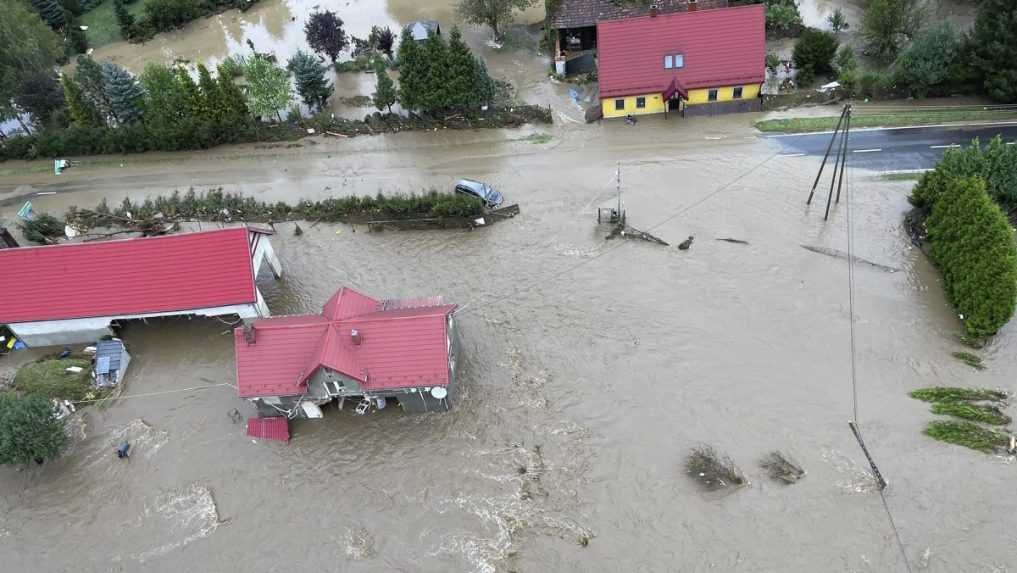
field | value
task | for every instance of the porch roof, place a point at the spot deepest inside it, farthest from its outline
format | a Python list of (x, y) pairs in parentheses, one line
[(584, 13)]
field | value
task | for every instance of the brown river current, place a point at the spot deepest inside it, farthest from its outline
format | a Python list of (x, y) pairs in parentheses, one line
[(590, 368)]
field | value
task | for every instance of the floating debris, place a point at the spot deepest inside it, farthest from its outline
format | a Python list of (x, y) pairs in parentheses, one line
[(735, 241), (781, 467), (626, 232), (968, 434), (984, 413), (297, 231), (843, 255), (712, 469), (684, 245)]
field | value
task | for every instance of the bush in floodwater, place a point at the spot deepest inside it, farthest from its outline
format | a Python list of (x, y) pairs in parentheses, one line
[(969, 359), (955, 394), (43, 228), (973, 245), (712, 469), (781, 467), (973, 412), (965, 433), (996, 163)]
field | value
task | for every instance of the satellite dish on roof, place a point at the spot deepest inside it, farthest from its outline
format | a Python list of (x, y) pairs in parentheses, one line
[(439, 392)]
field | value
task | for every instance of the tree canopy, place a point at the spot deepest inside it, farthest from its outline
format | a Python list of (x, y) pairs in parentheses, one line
[(268, 87), (994, 48), (926, 62), (123, 93), (27, 46), (29, 429), (815, 50), (384, 93), (497, 14), (312, 85), (889, 24), (325, 35)]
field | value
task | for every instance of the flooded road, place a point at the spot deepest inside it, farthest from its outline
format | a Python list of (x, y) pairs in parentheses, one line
[(590, 370)]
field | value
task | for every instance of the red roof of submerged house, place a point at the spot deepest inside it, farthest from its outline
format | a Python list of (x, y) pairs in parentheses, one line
[(402, 344), (128, 276), (721, 47)]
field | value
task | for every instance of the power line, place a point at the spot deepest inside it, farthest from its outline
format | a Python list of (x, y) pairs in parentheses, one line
[(568, 270), (150, 394)]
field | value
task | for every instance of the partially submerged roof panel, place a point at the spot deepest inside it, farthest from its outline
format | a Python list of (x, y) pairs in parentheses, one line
[(127, 277)]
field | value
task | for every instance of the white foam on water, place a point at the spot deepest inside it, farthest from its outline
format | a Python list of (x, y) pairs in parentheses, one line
[(857, 479), (186, 515), (359, 543)]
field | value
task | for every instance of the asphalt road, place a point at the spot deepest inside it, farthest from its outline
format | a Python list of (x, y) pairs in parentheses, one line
[(895, 149)]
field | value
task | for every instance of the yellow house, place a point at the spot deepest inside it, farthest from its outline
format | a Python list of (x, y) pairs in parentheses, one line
[(698, 62)]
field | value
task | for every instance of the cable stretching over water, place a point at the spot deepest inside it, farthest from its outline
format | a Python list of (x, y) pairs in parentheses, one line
[(568, 270), (849, 200), (150, 394)]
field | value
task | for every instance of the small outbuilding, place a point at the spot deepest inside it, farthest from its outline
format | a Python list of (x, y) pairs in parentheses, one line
[(358, 348), (421, 29), (111, 361)]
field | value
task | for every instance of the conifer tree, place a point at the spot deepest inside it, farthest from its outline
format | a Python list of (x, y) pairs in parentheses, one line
[(384, 92), (436, 74), (123, 92), (312, 85), (234, 103), (461, 89), (88, 76), (51, 11), (212, 106), (411, 77), (81, 111)]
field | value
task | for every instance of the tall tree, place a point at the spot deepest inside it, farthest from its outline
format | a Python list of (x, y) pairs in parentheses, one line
[(81, 111), (436, 74), (927, 61), (484, 83), (325, 35), (994, 50), (268, 87), (312, 85), (88, 75), (128, 25), (384, 92), (888, 24), (40, 95), (190, 94), (212, 104), (234, 102), (29, 430), (51, 11), (461, 88), (411, 73), (123, 92), (494, 13), (27, 46), (382, 39)]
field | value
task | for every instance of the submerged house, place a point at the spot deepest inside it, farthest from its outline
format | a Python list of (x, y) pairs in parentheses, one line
[(75, 292), (697, 63), (575, 26), (420, 30), (357, 348)]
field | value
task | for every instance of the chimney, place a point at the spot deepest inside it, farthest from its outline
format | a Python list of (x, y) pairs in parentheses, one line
[(653, 10), (355, 337), (249, 334)]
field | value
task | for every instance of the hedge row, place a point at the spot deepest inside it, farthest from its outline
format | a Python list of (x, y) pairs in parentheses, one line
[(215, 205), (973, 245)]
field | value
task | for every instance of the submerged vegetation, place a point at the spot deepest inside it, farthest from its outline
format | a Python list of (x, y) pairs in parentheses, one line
[(969, 359), (966, 434), (781, 467), (961, 403), (51, 378), (713, 470)]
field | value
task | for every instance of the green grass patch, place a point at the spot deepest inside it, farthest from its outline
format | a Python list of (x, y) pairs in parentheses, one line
[(536, 138), (966, 434), (102, 22), (906, 176), (973, 412), (809, 124), (969, 359), (49, 377), (954, 394)]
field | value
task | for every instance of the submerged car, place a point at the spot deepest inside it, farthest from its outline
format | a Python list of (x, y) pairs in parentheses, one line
[(481, 191)]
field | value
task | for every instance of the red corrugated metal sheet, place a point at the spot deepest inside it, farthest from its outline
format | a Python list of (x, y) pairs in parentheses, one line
[(274, 428), (125, 277), (398, 348), (722, 47)]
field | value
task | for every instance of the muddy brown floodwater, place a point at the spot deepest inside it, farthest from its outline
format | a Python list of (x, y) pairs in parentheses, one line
[(590, 369)]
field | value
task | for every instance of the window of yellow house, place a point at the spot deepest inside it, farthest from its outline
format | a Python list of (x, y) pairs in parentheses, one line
[(640, 102), (712, 95), (619, 104), (737, 93)]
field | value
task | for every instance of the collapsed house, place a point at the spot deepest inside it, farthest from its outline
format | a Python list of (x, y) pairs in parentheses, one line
[(357, 348), (75, 292)]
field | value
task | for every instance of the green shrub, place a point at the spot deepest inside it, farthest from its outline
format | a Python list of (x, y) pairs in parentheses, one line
[(967, 434), (927, 62), (973, 245), (845, 60), (43, 228), (996, 163), (974, 412), (815, 49), (954, 394), (783, 19), (29, 430)]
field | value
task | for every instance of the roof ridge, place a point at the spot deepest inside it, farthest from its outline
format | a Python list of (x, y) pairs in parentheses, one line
[(124, 240)]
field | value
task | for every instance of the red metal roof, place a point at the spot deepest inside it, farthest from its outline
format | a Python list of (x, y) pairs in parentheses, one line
[(273, 428), (721, 47), (126, 277), (399, 348)]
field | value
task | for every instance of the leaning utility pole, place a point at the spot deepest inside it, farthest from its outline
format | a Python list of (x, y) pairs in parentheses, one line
[(839, 161)]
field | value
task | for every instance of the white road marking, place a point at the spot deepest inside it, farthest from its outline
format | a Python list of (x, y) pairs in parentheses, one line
[(951, 146), (860, 129), (46, 193), (868, 150), (793, 155), (713, 137)]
